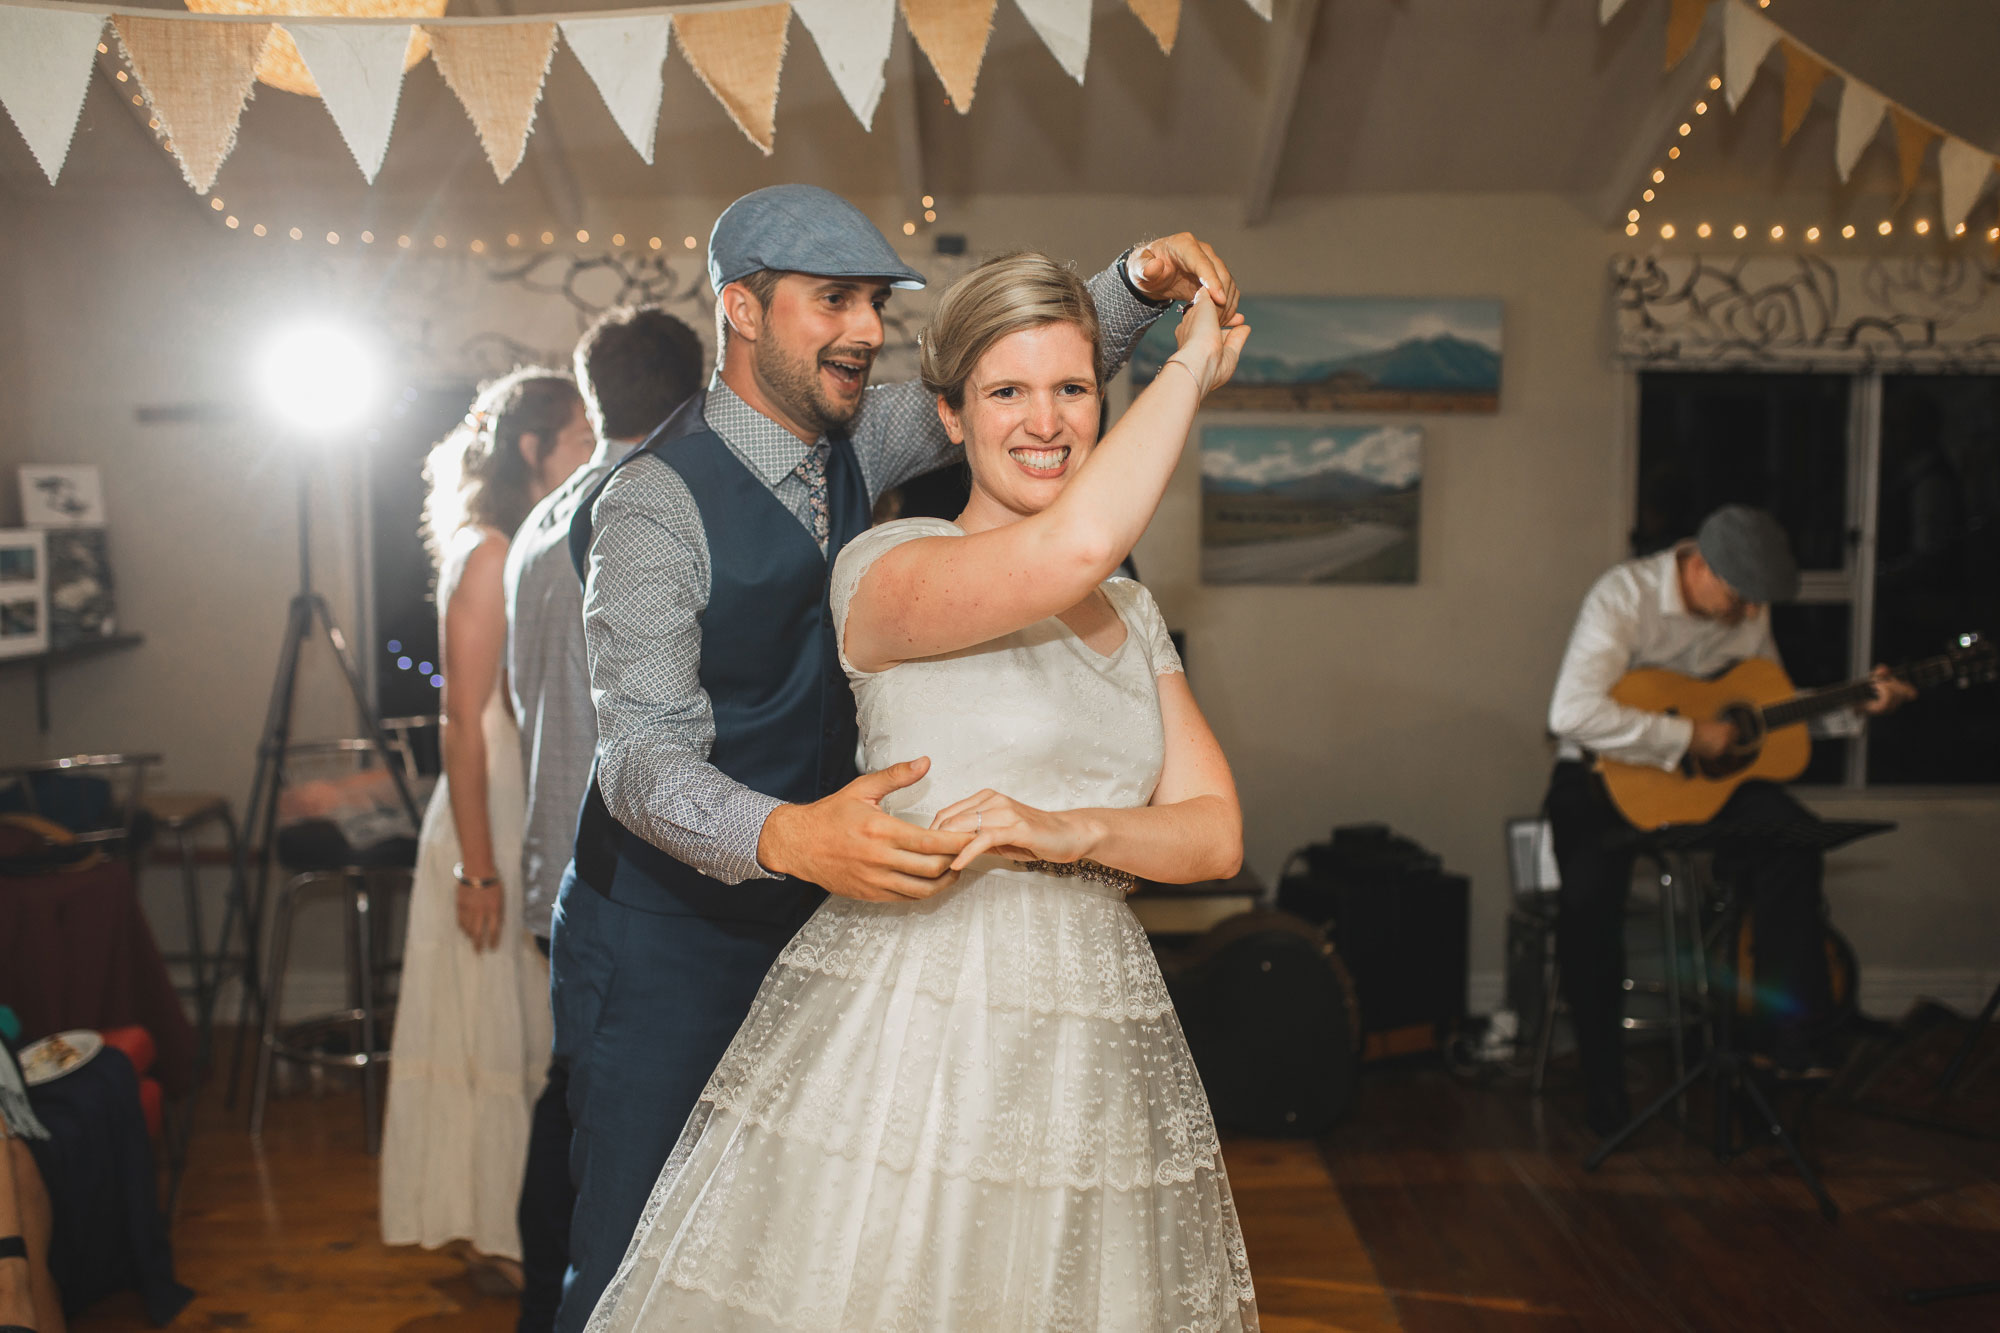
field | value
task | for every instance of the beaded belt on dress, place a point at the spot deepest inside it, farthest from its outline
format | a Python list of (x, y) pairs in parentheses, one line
[(1122, 880)]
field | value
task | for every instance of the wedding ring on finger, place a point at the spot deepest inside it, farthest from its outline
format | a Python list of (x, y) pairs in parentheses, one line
[(978, 820)]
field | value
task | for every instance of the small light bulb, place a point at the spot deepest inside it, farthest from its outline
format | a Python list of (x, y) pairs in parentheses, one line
[(930, 215), (438, 241), (296, 234), (478, 246), (333, 238), (368, 238), (1847, 232), (1659, 176), (548, 238), (618, 238), (1674, 152), (1959, 230), (1633, 216), (1686, 129), (1701, 108), (1714, 82), (216, 204), (1704, 230), (688, 242), (652, 243), (1923, 226), (1993, 233), (1777, 233), (137, 100), (1885, 226), (929, 202), (582, 235), (403, 241), (1812, 233), (231, 222), (103, 50), (1666, 231), (258, 230), (121, 76), (153, 124), (1631, 229), (1739, 231), (909, 229), (1647, 196), (513, 238)]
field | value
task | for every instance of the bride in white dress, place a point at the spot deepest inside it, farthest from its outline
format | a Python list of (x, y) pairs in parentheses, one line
[(976, 1112), (473, 1026)]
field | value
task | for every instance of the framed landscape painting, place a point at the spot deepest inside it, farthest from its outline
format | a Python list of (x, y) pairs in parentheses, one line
[(1354, 354), (1311, 503)]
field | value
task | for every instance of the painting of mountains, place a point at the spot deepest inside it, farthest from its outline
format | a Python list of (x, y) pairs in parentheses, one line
[(1310, 503), (1352, 353)]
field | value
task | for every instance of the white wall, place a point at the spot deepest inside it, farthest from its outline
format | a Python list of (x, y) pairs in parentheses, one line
[(1419, 706)]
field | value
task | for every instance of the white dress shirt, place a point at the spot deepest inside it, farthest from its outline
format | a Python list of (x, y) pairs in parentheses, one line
[(1634, 617)]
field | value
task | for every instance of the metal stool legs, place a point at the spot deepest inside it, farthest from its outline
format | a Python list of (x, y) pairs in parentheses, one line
[(295, 1041)]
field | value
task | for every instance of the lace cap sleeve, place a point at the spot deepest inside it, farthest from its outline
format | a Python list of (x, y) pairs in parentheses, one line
[(1143, 618), (859, 555)]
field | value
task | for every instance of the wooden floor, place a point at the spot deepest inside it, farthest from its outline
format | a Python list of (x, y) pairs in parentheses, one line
[(1458, 1207)]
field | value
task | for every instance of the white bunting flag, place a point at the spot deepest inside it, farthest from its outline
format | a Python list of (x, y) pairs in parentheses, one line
[(1861, 111), (1963, 172), (1064, 27), (359, 71), (853, 37), (1747, 38), (1263, 8), (45, 60), (1608, 9), (623, 58)]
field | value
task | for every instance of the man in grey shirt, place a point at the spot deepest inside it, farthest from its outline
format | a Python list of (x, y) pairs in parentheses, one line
[(635, 365)]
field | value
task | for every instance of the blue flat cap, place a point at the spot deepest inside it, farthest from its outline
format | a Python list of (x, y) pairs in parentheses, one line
[(801, 229), (1749, 551)]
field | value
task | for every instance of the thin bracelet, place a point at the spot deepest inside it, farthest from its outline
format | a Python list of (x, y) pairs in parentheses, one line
[(1174, 361), (472, 881)]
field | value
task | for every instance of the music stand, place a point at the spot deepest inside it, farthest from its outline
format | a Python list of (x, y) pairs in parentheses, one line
[(1724, 1063)]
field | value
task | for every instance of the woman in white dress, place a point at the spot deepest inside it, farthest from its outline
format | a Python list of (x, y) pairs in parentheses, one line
[(977, 1111), (472, 1024)]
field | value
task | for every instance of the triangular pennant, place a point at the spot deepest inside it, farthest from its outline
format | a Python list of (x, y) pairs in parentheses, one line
[(1608, 10), (953, 33), (1747, 37), (1803, 73), (623, 58), (45, 60), (853, 38), (739, 54), (1161, 17), (497, 72), (1913, 140), (1861, 109), (1064, 27), (1683, 26), (1963, 174), (196, 77), (281, 66), (358, 69), (1262, 8)]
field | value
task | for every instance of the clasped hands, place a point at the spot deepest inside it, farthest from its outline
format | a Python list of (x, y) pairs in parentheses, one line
[(848, 845)]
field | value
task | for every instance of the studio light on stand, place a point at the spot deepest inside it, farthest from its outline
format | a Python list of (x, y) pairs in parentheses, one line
[(317, 381)]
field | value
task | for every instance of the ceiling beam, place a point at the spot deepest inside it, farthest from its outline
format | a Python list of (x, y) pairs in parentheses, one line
[(1289, 42), (905, 127), (1669, 105), (547, 157)]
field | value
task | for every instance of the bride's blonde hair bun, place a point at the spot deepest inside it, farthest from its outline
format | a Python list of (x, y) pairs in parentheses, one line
[(1002, 296)]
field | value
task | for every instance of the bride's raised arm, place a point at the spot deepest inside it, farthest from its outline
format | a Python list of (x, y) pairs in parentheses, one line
[(939, 594)]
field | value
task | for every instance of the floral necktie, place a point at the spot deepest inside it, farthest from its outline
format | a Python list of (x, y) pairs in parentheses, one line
[(813, 472)]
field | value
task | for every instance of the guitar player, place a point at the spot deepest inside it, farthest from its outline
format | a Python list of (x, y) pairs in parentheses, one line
[(1695, 609)]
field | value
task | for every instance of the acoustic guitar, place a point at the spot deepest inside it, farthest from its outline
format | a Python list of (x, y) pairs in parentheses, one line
[(1770, 717)]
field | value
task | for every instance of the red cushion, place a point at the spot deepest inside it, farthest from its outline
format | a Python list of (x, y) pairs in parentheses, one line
[(152, 1101), (136, 1042)]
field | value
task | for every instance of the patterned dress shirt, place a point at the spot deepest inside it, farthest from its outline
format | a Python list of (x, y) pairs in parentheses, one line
[(647, 587), (549, 679)]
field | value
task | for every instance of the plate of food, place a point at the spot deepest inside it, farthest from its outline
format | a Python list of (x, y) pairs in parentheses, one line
[(50, 1058)]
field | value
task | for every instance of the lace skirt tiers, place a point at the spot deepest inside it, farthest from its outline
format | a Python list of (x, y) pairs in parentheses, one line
[(976, 1112)]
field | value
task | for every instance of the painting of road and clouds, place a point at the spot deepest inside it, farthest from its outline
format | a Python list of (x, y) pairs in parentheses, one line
[(1310, 503), (1354, 354)]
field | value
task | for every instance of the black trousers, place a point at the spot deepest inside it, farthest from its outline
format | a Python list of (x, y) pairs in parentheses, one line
[(1780, 887), (547, 1200)]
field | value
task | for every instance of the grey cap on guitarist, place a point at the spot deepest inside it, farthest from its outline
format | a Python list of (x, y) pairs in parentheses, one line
[(1672, 708)]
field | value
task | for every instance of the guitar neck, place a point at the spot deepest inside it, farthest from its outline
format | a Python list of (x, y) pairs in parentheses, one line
[(1809, 704)]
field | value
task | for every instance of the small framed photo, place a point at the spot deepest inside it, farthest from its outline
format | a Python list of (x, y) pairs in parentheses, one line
[(61, 495), (24, 592)]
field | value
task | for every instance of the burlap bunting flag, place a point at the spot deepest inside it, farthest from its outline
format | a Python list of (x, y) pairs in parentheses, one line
[(497, 72), (281, 66), (739, 54), (953, 33), (1803, 75), (1162, 18), (1913, 140), (1683, 26), (196, 77)]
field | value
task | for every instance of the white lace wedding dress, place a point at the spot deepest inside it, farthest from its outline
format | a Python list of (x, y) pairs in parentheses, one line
[(973, 1114)]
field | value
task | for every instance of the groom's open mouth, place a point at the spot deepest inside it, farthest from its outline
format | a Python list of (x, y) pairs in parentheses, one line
[(850, 373), (1042, 462)]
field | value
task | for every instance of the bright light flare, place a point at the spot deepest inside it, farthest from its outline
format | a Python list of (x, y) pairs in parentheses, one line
[(319, 378)]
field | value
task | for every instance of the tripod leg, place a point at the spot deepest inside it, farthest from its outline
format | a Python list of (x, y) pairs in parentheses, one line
[(1957, 1066), (1610, 1145), (1776, 1128)]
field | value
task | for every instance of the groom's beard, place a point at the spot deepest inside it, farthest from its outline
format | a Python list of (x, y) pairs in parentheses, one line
[(795, 382)]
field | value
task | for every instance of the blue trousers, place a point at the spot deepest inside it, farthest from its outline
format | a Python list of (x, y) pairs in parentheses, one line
[(645, 1005)]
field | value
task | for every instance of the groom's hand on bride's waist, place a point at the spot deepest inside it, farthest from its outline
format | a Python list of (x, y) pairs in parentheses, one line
[(846, 844)]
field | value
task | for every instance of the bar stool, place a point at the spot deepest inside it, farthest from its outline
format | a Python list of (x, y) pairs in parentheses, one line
[(183, 814), (324, 863)]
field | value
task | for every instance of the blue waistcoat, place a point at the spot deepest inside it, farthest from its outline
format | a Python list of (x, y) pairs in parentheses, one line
[(784, 713)]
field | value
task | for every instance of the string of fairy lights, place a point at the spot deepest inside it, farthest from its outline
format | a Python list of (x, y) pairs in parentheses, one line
[(546, 239), (1777, 232)]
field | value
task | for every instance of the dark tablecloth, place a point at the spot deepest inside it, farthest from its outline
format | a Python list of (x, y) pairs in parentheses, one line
[(98, 1166), (76, 952)]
